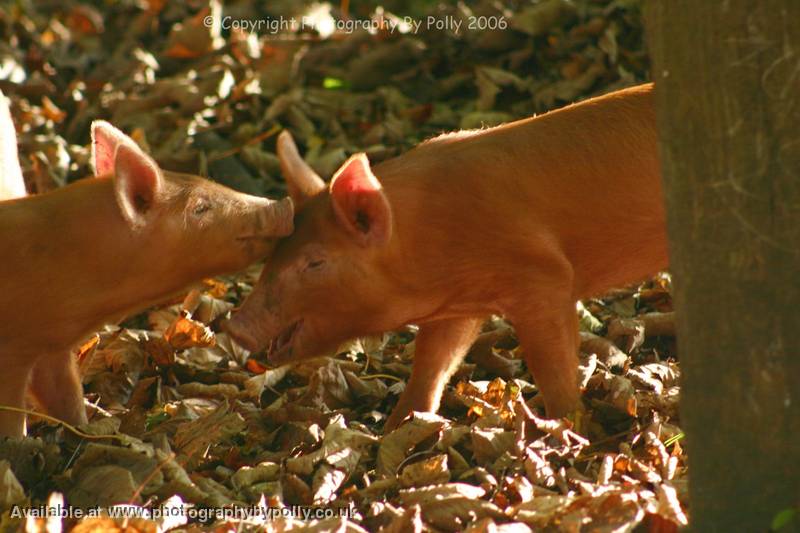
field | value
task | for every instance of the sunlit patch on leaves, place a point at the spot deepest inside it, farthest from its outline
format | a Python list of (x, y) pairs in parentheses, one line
[(215, 288), (481, 397), (11, 491), (87, 348), (427, 471), (187, 333)]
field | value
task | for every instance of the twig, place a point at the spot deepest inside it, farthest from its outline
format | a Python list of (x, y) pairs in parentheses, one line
[(55, 420)]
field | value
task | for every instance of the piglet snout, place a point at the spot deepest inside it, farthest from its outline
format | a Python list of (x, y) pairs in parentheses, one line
[(240, 331)]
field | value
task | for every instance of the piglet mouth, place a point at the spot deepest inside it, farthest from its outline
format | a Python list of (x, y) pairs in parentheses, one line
[(279, 350), (256, 237)]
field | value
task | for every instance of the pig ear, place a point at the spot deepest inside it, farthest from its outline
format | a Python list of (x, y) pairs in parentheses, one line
[(105, 139), (137, 182), (359, 202), (301, 180)]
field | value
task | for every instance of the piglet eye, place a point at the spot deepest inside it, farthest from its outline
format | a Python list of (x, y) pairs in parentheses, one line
[(314, 264), (201, 207)]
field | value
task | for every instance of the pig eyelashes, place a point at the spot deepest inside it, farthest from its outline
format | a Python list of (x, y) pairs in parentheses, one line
[(314, 264), (200, 206)]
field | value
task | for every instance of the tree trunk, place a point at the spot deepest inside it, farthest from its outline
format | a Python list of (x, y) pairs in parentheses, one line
[(727, 79)]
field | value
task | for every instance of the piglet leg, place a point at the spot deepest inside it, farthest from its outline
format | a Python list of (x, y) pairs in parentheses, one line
[(56, 383), (12, 394), (549, 340), (440, 348)]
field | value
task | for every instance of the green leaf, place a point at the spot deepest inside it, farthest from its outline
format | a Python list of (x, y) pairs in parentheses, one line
[(783, 519), (333, 83)]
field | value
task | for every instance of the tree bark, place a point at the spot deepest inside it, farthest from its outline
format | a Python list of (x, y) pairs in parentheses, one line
[(727, 79)]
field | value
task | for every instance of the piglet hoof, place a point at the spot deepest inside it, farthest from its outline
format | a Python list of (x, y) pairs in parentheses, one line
[(397, 417), (392, 423)]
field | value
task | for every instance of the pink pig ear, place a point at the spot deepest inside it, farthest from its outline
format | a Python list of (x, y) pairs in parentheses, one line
[(137, 182), (359, 202), (105, 139)]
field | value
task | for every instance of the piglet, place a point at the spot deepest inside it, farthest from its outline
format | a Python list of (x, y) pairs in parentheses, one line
[(518, 220), (94, 251)]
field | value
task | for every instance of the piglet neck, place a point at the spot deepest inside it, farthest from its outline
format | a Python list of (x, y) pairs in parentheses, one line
[(80, 259)]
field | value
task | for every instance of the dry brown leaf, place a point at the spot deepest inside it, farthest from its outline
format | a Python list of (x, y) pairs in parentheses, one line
[(187, 333), (394, 446), (193, 438), (11, 491), (110, 525), (429, 471)]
